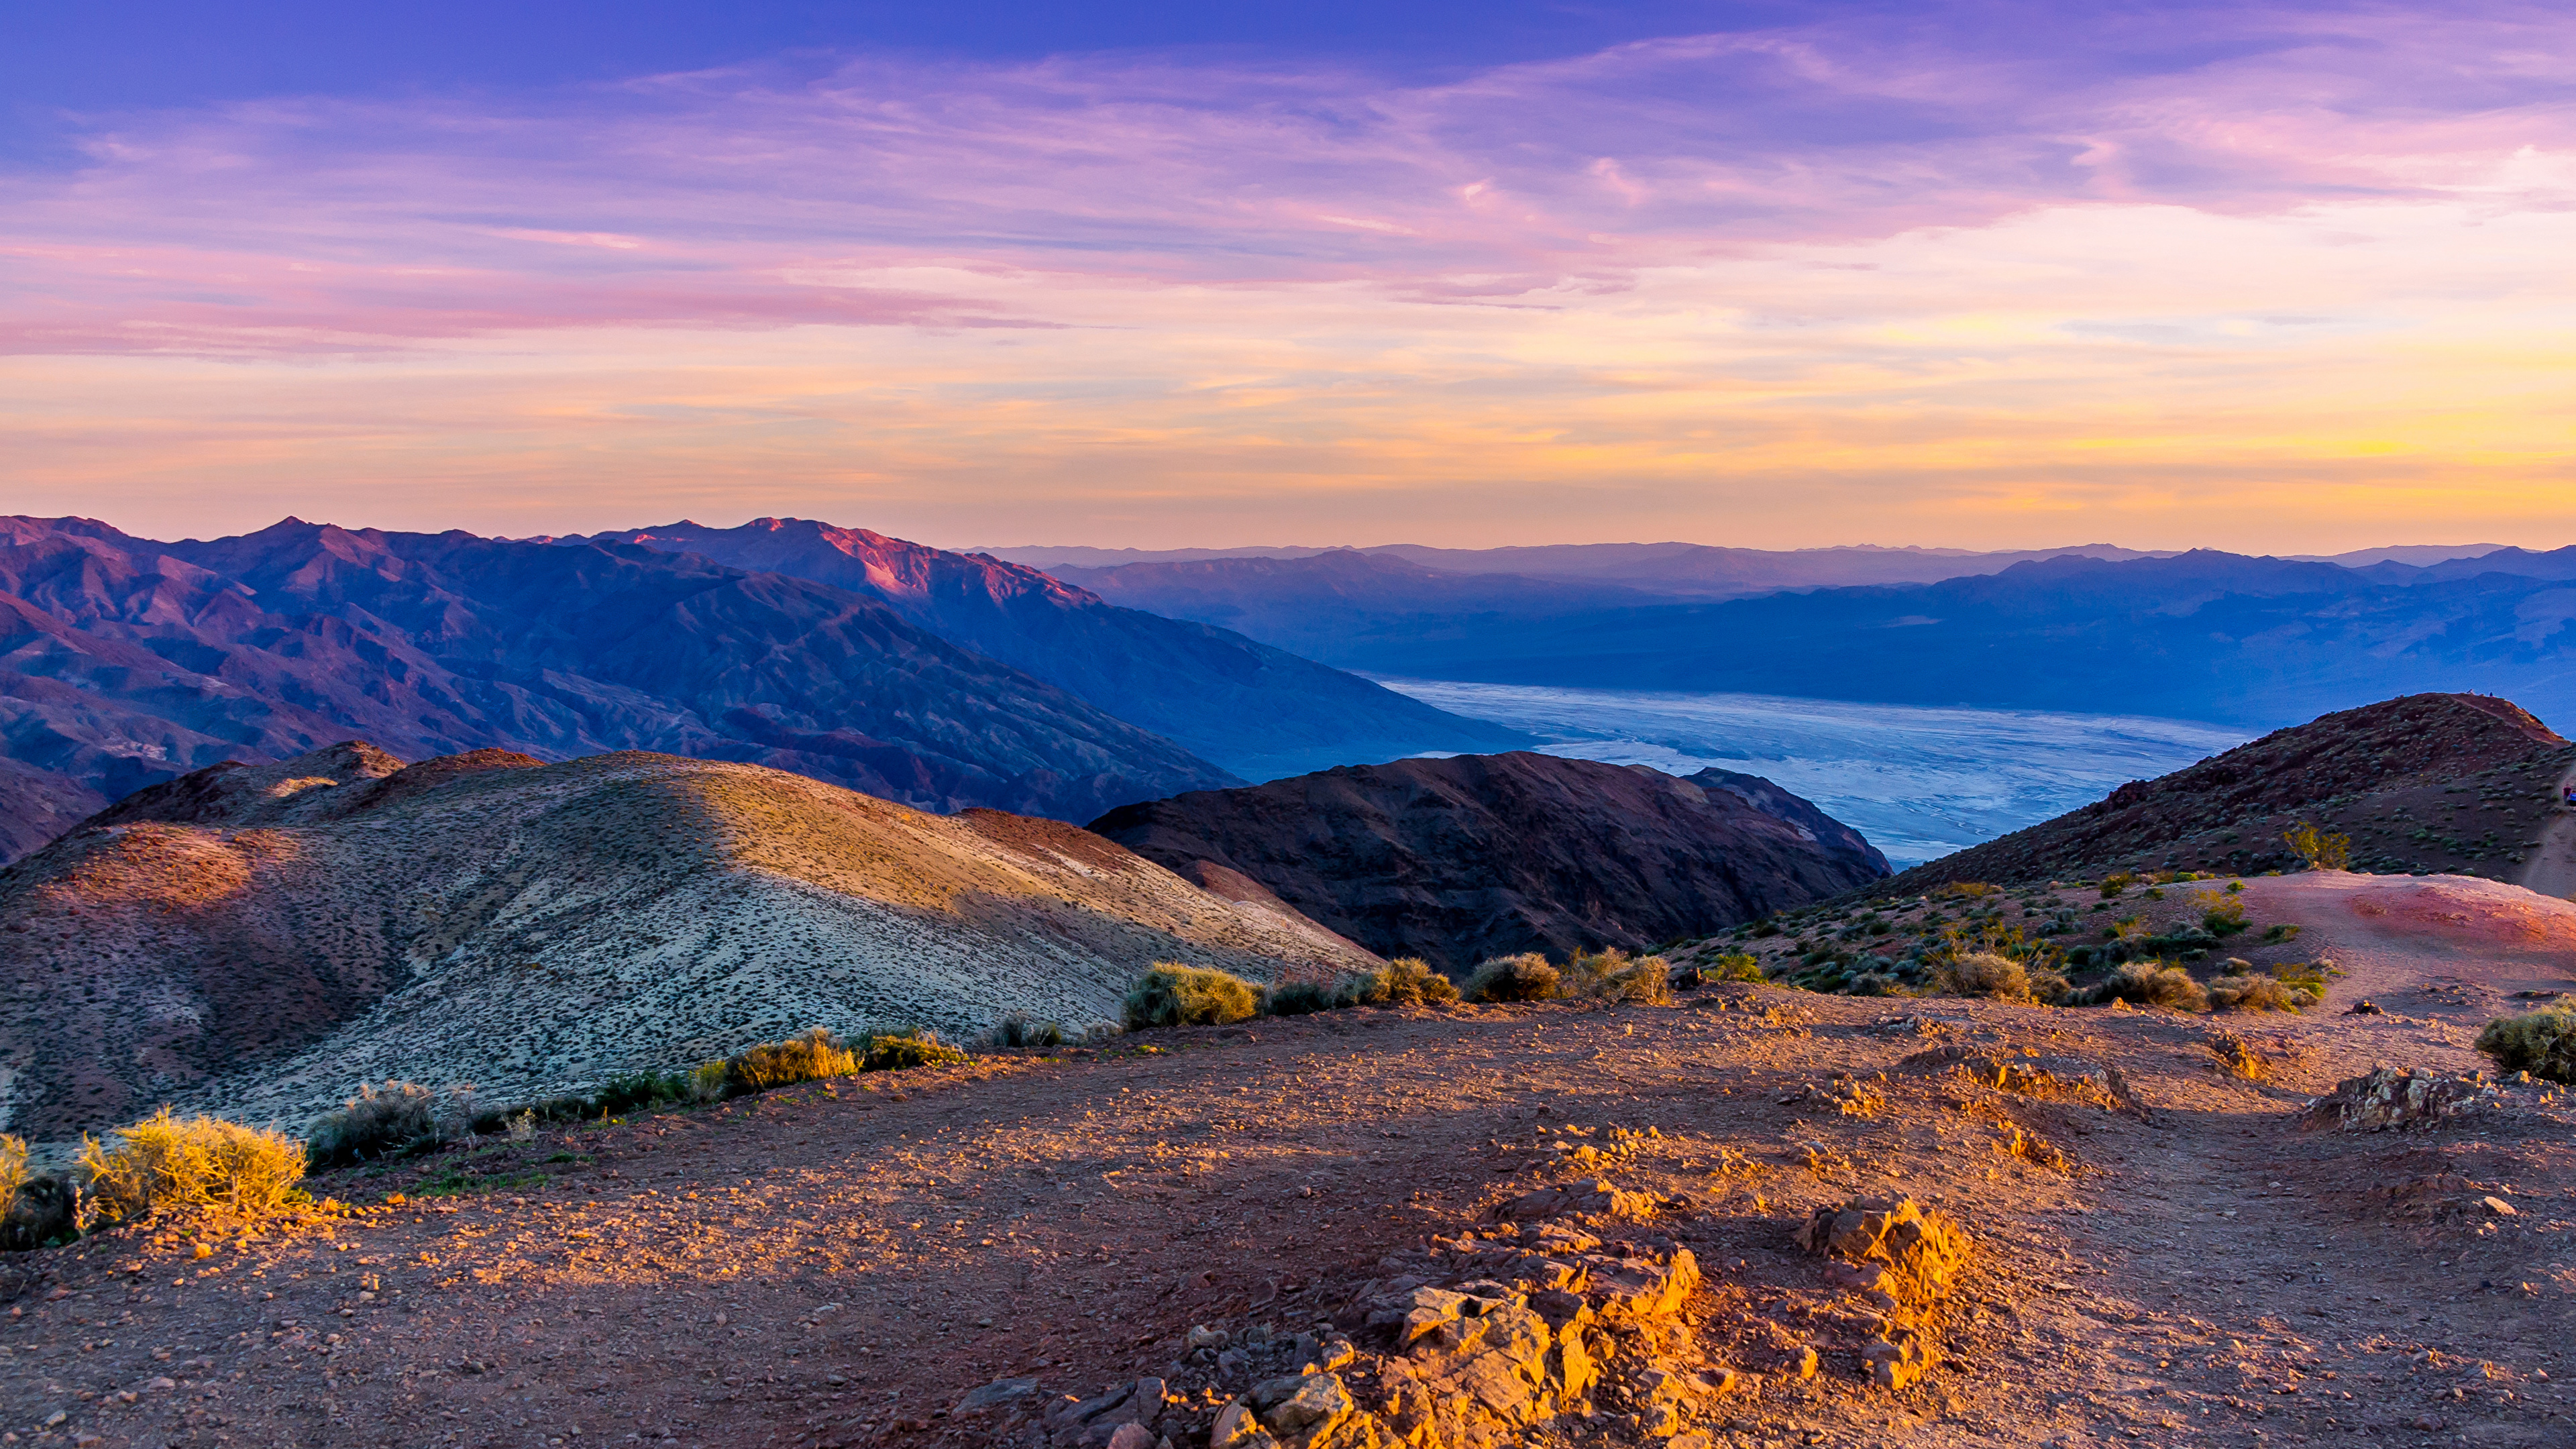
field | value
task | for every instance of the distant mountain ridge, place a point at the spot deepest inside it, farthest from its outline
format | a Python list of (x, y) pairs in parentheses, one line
[(1255, 709), (124, 661), (1458, 859), (2201, 635)]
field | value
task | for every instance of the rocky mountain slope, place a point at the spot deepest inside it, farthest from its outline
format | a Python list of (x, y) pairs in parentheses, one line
[(1256, 710), (1458, 859), (2430, 782), (124, 661), (261, 939)]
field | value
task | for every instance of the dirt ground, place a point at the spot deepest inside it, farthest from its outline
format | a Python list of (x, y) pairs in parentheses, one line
[(2181, 1260)]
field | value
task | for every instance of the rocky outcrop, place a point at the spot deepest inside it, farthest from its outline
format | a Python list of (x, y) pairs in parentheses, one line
[(261, 939), (1256, 710), (126, 662), (1455, 860)]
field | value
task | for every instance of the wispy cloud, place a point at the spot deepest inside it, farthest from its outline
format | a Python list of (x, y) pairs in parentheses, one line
[(2109, 264)]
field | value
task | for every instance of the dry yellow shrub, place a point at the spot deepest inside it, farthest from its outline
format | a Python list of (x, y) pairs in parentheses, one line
[(167, 1164)]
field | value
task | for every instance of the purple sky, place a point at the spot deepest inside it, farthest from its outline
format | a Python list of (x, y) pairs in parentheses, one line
[(2291, 279)]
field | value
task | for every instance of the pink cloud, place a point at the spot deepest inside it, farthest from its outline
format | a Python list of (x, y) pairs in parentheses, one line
[(732, 200)]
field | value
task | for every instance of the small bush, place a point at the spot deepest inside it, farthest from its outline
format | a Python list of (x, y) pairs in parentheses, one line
[(1526, 977), (2252, 992), (1739, 966), (1303, 998), (1614, 975), (2541, 1042), (394, 1120), (1874, 983), (167, 1164), (2148, 983), (13, 1170), (1170, 994), (1968, 890), (1986, 974), (2048, 987), (809, 1056), (895, 1051), (2116, 882), (1018, 1031), (709, 1081), (1410, 981), (2222, 915), (2321, 850), (642, 1091)]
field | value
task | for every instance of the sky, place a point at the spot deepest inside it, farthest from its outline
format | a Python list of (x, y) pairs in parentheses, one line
[(2273, 278)]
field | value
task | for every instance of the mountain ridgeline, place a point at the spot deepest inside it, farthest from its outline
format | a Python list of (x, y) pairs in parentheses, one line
[(125, 661), (1254, 709), (1454, 860), (2202, 635)]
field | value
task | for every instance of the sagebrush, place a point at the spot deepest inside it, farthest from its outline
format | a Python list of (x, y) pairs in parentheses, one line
[(174, 1165), (392, 1120), (2148, 983), (1525, 977), (13, 1170), (1735, 966), (1019, 1030), (1171, 994), (895, 1051), (2541, 1042), (1987, 974), (1614, 975), (809, 1056)]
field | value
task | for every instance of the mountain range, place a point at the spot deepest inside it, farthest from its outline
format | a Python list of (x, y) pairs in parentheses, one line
[(1256, 710), (2202, 635), (125, 661)]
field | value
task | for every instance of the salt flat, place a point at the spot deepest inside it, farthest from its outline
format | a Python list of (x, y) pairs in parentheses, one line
[(1919, 782)]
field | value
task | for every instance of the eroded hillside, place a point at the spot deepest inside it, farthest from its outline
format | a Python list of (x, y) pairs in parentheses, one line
[(263, 939)]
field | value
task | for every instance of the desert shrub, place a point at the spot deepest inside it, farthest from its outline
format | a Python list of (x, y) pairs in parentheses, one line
[(2222, 915), (13, 1170), (1874, 983), (2116, 882), (1525, 977), (2047, 986), (1170, 994), (2321, 850), (641, 1091), (1968, 890), (1302, 998), (1404, 981), (708, 1081), (2148, 983), (1018, 1029), (2541, 1042), (809, 1056), (388, 1121), (1986, 974), (2253, 991), (895, 1051), (1739, 966), (167, 1164), (1614, 975)]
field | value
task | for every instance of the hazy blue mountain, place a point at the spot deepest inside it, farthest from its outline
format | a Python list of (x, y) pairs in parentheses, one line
[(2203, 635), (1258, 710)]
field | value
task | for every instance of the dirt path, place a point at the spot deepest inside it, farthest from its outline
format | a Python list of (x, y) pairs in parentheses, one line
[(836, 1266), (2552, 871)]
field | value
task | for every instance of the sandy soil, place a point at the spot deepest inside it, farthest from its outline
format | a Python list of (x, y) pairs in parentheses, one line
[(837, 1265)]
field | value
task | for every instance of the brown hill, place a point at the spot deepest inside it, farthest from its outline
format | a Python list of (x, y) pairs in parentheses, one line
[(261, 939), (2455, 783), (1454, 860)]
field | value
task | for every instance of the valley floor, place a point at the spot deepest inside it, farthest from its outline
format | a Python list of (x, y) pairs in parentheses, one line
[(2163, 1252)]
